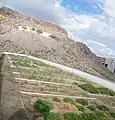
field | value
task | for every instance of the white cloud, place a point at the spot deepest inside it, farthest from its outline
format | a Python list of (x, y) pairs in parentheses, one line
[(99, 28), (109, 7), (100, 49), (83, 26), (97, 43)]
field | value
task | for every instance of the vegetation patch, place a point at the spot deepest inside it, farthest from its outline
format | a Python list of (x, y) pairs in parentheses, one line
[(80, 108), (82, 101), (91, 107), (112, 114), (68, 100), (92, 89), (54, 116), (102, 108), (24, 61), (88, 116), (43, 106)]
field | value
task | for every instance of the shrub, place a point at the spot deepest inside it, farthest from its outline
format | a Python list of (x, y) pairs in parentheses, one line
[(33, 28), (53, 36), (43, 106), (68, 100), (80, 108), (112, 114), (54, 116), (82, 101), (102, 108), (91, 107)]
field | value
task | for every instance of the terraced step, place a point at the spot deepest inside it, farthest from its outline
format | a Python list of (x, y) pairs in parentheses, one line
[(48, 87), (45, 78), (26, 65), (45, 72), (29, 98), (49, 78)]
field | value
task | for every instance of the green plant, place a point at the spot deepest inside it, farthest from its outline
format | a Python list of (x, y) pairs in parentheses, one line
[(88, 116), (54, 116), (92, 89), (80, 108), (102, 116), (68, 100), (82, 101), (70, 116), (91, 107), (43, 106), (102, 108), (112, 114)]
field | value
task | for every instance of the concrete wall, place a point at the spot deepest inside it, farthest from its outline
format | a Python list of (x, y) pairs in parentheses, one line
[(10, 101), (110, 64)]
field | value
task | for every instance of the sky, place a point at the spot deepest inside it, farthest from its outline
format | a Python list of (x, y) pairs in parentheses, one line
[(89, 21)]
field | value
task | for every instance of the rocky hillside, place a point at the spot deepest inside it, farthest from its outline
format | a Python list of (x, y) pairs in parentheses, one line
[(57, 47)]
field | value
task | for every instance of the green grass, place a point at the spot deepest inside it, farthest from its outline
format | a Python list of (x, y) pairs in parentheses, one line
[(91, 107), (112, 114), (54, 116), (92, 89), (82, 102), (102, 108), (88, 116), (80, 108), (68, 100)]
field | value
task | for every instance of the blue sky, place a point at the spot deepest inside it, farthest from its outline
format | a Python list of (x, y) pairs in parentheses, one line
[(89, 21), (82, 6)]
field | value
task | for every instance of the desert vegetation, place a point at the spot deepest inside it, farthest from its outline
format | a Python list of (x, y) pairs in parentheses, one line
[(82, 101), (101, 90), (92, 107)]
